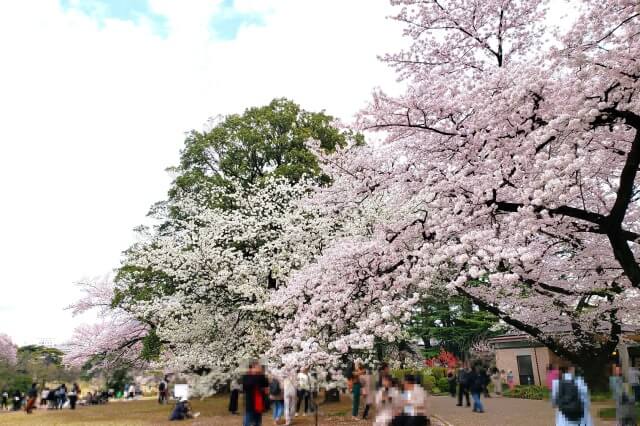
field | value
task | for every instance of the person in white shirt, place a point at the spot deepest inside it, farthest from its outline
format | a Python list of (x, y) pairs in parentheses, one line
[(290, 394), (569, 392), (387, 398)]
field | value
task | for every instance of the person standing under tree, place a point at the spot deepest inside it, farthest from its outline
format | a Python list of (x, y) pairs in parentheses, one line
[(304, 391), (162, 390), (235, 388), (74, 395), (356, 388), (256, 390), (5, 400), (290, 394), (368, 391), (32, 398)]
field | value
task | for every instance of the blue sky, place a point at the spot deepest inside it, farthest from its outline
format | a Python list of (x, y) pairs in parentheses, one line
[(224, 24)]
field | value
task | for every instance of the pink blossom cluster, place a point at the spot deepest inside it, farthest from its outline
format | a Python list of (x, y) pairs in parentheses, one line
[(8, 350), (509, 175)]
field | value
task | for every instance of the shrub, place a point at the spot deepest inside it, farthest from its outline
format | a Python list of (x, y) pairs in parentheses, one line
[(429, 382), (527, 392), (436, 391), (443, 383), (439, 372)]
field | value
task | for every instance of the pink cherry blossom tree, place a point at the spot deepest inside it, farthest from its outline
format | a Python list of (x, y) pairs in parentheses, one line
[(8, 350), (115, 340), (509, 176)]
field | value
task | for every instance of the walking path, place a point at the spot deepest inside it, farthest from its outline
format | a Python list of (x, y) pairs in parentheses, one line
[(501, 412)]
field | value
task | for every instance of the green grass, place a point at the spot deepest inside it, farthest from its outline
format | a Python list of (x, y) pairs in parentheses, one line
[(149, 412), (609, 413)]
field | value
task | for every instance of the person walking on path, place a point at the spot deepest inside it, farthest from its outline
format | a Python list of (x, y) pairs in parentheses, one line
[(463, 383), (32, 397), (496, 378), (256, 390), (235, 388), (17, 400), (570, 396), (368, 391), (290, 395), (552, 374), (477, 383), (276, 393)]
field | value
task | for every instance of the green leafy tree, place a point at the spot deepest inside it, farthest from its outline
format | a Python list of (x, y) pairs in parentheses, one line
[(264, 141), (454, 322)]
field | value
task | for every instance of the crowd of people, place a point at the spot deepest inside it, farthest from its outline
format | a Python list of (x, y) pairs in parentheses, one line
[(291, 394), (55, 398)]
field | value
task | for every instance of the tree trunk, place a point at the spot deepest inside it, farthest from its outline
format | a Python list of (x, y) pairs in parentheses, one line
[(594, 368)]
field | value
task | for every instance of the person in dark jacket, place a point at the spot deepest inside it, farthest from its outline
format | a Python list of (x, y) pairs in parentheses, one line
[(182, 411), (453, 383), (256, 390), (32, 397), (17, 400), (74, 395), (477, 381), (463, 385)]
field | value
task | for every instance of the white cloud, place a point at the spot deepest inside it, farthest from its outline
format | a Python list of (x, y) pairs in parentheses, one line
[(91, 114)]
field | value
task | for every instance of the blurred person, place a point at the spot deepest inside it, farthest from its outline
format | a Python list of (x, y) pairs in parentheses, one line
[(625, 405), (368, 391), (256, 390), (131, 393), (304, 391), (383, 371), (163, 388), (44, 394), (477, 382), (570, 395), (61, 396), (496, 378), (51, 399), (386, 397), (17, 400), (486, 380), (356, 388), (74, 395), (235, 388), (32, 397), (182, 411), (412, 404), (634, 382), (463, 383), (290, 394), (276, 394), (552, 374), (4, 402), (453, 383), (510, 380)]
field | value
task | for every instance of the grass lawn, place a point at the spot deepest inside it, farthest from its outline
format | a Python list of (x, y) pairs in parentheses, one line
[(149, 412)]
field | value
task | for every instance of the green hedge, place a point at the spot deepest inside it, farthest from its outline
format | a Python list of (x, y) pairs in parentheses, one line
[(443, 383), (527, 392)]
